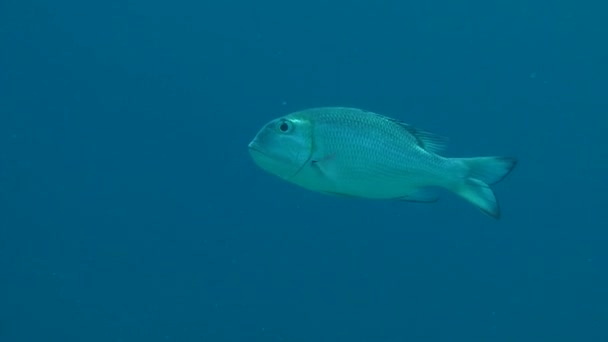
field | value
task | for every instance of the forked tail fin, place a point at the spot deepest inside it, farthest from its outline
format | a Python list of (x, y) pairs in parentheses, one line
[(483, 172)]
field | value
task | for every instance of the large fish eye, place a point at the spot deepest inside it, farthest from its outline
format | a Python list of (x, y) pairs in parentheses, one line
[(285, 126)]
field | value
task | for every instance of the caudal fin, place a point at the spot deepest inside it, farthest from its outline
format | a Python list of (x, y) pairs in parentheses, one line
[(481, 173)]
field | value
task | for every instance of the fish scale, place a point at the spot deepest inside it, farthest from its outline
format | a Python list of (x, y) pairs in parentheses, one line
[(372, 145), (357, 153)]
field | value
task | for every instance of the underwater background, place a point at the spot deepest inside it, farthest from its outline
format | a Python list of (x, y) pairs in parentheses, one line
[(130, 209)]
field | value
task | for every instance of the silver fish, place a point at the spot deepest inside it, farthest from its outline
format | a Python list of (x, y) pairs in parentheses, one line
[(357, 153)]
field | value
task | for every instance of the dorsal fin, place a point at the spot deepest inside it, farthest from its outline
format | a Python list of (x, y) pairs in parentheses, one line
[(427, 140)]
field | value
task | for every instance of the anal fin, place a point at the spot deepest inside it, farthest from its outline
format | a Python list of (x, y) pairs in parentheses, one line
[(423, 195)]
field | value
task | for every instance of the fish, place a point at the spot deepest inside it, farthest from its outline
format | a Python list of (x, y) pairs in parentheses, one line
[(352, 152)]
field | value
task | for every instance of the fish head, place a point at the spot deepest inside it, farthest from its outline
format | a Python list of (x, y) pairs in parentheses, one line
[(283, 146)]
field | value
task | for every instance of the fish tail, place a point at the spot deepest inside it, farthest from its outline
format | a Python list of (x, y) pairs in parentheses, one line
[(481, 172)]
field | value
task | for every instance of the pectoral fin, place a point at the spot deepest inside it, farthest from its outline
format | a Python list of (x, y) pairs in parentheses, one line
[(326, 166)]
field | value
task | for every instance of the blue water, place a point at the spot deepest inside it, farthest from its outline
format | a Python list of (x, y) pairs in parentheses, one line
[(130, 209)]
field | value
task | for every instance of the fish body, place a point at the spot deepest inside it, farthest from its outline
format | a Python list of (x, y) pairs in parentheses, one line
[(357, 153)]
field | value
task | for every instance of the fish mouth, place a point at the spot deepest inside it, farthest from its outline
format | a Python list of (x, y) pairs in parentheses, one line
[(253, 147), (265, 160), (258, 153)]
